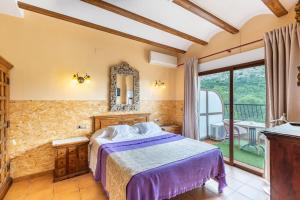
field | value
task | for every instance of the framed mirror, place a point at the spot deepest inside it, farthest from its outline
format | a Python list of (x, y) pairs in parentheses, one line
[(124, 88)]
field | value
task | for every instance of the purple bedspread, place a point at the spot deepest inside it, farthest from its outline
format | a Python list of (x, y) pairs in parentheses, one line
[(169, 180)]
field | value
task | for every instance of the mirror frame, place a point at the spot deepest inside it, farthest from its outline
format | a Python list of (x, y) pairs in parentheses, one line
[(124, 69)]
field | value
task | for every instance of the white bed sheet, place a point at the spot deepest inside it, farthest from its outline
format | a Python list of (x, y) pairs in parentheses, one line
[(96, 142)]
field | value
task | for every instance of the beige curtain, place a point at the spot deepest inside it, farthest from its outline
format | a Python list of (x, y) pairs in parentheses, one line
[(282, 58), (282, 48), (190, 124)]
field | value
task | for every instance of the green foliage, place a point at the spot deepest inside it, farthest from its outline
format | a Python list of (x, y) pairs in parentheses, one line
[(249, 85), (249, 89)]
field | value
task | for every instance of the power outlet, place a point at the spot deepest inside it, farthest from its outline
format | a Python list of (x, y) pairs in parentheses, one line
[(83, 126)]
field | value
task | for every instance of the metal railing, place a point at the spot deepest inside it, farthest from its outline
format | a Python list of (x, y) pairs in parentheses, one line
[(247, 112)]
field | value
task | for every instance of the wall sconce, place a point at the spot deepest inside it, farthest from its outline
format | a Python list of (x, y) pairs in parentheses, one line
[(159, 84), (81, 79)]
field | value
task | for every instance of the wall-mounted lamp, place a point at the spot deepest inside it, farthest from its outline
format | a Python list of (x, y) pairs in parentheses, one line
[(159, 84), (81, 79)]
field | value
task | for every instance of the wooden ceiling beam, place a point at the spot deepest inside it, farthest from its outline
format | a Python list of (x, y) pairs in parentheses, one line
[(56, 15), (125, 13), (276, 7), (192, 7)]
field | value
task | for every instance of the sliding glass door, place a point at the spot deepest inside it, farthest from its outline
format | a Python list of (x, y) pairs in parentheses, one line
[(214, 116), (232, 113), (249, 116)]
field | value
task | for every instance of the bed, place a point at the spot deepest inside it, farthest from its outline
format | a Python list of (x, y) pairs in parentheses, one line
[(153, 166)]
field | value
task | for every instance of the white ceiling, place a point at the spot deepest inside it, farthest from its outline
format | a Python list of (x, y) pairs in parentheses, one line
[(10, 7), (235, 12)]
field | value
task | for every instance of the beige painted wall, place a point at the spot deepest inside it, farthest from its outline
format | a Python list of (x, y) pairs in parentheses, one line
[(46, 105), (46, 52)]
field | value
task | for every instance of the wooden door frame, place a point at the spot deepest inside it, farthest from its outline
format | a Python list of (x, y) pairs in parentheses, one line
[(231, 70)]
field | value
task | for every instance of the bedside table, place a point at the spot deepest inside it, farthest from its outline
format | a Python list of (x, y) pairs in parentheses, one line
[(172, 128), (71, 157)]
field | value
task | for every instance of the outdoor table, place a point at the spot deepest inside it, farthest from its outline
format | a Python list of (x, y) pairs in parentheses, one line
[(252, 127)]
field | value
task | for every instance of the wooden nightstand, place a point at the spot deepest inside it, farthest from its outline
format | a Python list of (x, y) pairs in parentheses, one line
[(71, 157), (172, 128)]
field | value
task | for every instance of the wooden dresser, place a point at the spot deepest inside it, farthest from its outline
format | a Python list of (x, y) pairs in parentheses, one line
[(284, 161), (71, 157), (172, 128)]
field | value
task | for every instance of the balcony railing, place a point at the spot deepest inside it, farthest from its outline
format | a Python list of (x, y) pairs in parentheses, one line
[(247, 112)]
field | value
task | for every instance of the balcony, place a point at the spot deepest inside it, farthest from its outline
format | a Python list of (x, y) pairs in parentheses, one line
[(249, 120), (247, 112)]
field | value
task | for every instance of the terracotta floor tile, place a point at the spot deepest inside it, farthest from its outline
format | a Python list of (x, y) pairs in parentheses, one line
[(87, 180), (67, 196), (41, 184), (14, 197), (46, 194), (241, 186), (18, 190), (92, 193), (66, 186)]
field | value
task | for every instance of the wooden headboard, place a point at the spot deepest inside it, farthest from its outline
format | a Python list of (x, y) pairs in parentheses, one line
[(104, 121)]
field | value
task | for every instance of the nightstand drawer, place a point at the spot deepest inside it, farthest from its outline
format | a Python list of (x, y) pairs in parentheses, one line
[(72, 150), (61, 152), (60, 172), (82, 149), (70, 158), (61, 163)]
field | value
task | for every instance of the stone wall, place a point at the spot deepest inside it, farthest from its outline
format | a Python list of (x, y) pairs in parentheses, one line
[(178, 117), (34, 124)]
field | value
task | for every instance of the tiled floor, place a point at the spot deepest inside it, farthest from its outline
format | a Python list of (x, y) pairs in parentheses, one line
[(241, 186)]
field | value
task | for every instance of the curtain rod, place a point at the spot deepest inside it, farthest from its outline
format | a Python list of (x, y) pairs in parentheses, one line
[(226, 50)]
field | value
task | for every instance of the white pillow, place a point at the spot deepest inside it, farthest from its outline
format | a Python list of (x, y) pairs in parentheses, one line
[(115, 132), (146, 127)]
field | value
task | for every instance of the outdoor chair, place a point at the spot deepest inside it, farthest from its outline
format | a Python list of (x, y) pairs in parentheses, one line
[(236, 131)]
